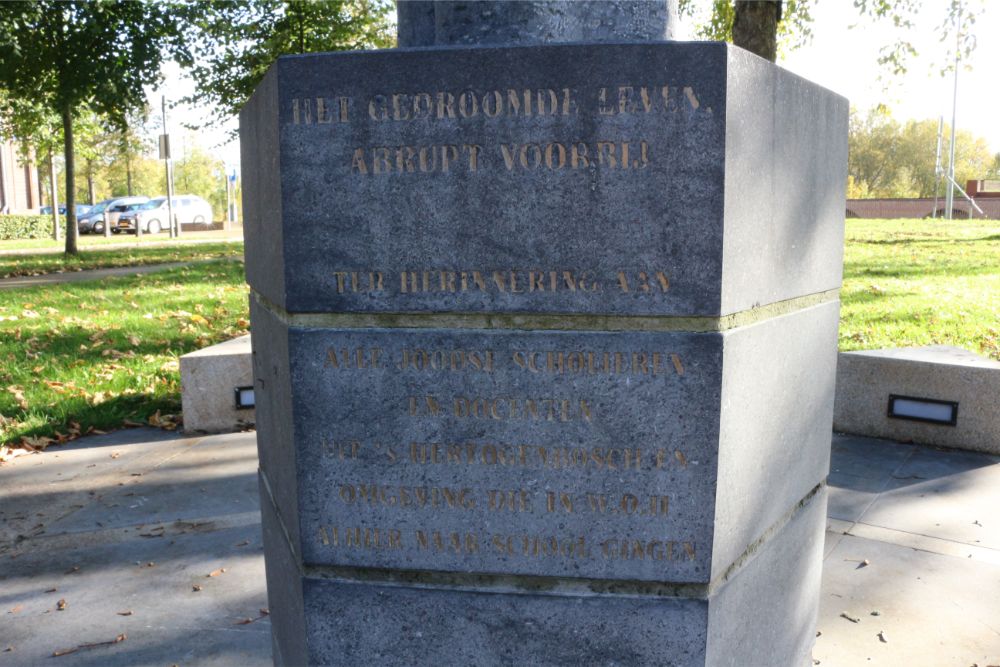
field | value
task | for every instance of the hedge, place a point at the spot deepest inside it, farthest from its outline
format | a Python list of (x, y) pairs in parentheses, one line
[(25, 227)]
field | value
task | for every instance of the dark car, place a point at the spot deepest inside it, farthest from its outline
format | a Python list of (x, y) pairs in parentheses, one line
[(81, 209), (114, 207)]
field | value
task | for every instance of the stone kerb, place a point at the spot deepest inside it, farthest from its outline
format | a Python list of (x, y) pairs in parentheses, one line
[(866, 380), (209, 378)]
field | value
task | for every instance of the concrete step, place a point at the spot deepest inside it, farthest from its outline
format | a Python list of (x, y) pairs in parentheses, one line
[(210, 380), (891, 393)]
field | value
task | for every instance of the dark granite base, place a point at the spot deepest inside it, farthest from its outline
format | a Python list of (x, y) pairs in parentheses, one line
[(284, 587), (763, 615)]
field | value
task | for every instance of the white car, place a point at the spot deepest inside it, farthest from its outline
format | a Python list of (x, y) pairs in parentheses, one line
[(151, 217)]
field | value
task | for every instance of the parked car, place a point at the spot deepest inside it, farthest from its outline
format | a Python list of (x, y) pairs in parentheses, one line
[(151, 217), (93, 221), (81, 209)]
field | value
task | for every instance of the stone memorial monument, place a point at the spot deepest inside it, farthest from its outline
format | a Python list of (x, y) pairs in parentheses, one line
[(544, 315)]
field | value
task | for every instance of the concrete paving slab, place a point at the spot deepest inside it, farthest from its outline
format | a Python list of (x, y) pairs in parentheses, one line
[(860, 469), (867, 458), (69, 531), (947, 495), (176, 488), (134, 521), (40, 489), (154, 579), (933, 610)]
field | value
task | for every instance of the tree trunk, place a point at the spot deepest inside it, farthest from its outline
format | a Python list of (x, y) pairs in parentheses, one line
[(71, 229), (90, 181), (54, 190), (755, 27), (128, 170)]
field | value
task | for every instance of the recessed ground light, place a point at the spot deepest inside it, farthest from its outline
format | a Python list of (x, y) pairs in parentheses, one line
[(244, 398), (928, 410)]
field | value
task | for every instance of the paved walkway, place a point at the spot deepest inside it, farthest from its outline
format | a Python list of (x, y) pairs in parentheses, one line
[(155, 537), (97, 274)]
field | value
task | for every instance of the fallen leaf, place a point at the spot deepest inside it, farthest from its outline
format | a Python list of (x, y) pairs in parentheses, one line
[(215, 573), (850, 618), (66, 651), (38, 443), (18, 393), (881, 637), (247, 621), (196, 588)]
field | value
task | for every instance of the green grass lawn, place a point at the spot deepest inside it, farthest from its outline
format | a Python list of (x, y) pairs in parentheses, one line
[(921, 282), (100, 355), (37, 264)]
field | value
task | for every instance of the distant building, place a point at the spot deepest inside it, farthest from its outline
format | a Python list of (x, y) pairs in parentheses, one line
[(18, 182), (977, 189), (986, 194)]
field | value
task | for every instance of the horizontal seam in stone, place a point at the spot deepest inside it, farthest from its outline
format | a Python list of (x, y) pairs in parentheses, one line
[(733, 569), (548, 321), (506, 584), (286, 537)]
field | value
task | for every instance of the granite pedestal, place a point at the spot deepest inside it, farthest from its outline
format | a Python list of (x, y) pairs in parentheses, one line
[(544, 352)]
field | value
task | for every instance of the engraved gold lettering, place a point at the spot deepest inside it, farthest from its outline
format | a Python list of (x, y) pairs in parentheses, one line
[(468, 104), (358, 358), (360, 538), (451, 542), (500, 500), (423, 406), (633, 549), (473, 151), (378, 108), (520, 409), (301, 111), (358, 162), (445, 105), (604, 108)]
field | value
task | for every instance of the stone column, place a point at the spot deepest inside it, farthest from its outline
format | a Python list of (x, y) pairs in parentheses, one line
[(544, 345), (528, 22)]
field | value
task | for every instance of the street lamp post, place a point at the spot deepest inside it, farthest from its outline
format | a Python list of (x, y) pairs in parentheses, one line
[(949, 198)]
